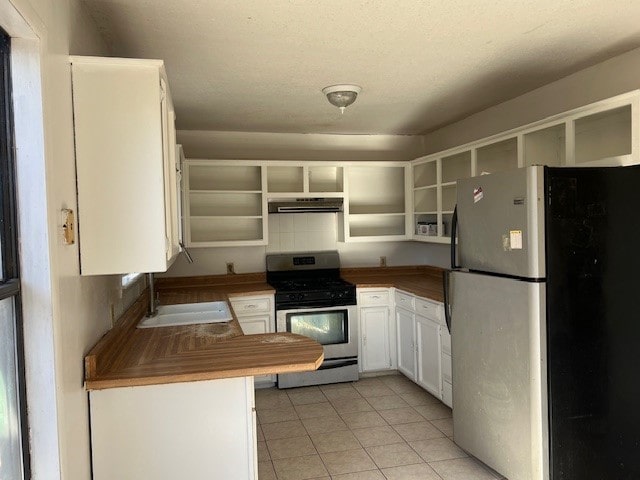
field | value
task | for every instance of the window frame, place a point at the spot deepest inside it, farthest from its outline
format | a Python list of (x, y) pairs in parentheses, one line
[(9, 261)]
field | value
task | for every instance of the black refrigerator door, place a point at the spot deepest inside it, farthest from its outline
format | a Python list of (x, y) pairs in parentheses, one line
[(593, 322)]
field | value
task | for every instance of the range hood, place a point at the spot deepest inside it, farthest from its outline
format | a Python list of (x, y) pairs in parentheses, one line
[(300, 205)]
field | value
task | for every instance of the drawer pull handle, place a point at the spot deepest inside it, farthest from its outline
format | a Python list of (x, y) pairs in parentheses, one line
[(249, 307), (375, 297)]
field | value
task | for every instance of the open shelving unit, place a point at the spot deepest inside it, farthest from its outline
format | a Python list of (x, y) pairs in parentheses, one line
[(604, 138), (304, 179), (604, 133), (224, 204), (377, 203), (434, 200)]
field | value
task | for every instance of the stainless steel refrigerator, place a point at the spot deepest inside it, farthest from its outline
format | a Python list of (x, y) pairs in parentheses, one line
[(544, 310)]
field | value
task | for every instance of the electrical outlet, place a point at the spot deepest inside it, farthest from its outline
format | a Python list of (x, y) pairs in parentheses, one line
[(230, 268), (383, 261)]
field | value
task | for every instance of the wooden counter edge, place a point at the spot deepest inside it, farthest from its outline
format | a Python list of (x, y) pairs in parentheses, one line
[(112, 338), (92, 384)]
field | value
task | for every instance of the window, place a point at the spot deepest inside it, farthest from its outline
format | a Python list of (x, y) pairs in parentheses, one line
[(129, 280), (14, 461)]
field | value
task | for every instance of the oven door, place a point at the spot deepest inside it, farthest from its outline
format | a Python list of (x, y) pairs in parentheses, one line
[(335, 328)]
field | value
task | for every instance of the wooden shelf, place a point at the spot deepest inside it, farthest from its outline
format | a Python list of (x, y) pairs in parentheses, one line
[(326, 179), (225, 204), (224, 192), (426, 187), (455, 167), (546, 146), (376, 203), (497, 157), (289, 178), (603, 135), (425, 174), (225, 177)]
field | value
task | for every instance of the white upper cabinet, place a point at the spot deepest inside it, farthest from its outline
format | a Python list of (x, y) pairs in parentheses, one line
[(376, 203), (314, 179), (225, 203), (605, 133), (125, 164)]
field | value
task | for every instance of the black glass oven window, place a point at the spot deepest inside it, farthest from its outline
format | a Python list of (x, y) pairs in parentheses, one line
[(325, 327)]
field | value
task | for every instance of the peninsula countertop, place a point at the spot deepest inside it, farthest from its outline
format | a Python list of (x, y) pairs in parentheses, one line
[(128, 356)]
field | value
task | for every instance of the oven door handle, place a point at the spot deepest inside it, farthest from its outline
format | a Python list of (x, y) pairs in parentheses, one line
[(344, 363)]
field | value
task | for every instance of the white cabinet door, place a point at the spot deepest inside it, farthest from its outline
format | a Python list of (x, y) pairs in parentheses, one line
[(428, 374), (255, 324), (193, 430), (374, 328), (255, 315), (251, 326), (124, 146), (447, 378), (406, 346)]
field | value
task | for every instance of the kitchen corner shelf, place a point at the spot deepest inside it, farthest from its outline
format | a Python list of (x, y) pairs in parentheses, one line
[(604, 133)]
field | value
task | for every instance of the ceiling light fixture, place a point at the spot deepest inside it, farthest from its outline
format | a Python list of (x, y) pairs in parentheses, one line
[(342, 95)]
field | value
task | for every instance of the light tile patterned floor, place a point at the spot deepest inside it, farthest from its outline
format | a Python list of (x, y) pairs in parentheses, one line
[(379, 428)]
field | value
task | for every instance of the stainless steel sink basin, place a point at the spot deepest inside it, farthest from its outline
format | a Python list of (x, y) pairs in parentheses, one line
[(188, 314)]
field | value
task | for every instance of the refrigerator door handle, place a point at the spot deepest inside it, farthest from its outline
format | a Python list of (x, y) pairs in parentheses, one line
[(447, 308), (454, 231)]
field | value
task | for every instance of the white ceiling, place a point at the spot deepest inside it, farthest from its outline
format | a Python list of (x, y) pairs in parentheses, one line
[(260, 65)]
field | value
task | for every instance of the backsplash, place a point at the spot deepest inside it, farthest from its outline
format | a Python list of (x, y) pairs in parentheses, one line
[(298, 232)]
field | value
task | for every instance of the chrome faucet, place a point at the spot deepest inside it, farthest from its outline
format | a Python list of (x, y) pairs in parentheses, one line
[(153, 301), (186, 253)]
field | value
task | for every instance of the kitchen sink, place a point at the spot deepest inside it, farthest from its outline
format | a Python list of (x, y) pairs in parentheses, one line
[(188, 314)]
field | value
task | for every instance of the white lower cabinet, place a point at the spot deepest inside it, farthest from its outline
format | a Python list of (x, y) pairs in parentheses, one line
[(447, 380), (424, 344), (406, 342), (374, 328), (428, 371), (256, 315), (377, 330), (192, 430)]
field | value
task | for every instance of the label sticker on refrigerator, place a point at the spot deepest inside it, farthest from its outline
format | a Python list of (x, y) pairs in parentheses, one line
[(515, 239), (477, 194)]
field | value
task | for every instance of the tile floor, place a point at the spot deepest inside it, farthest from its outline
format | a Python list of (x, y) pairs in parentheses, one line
[(379, 428)]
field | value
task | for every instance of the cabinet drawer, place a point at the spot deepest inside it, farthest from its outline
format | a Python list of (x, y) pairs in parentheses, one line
[(446, 367), (377, 297), (405, 301), (447, 394), (250, 306), (428, 309), (445, 341)]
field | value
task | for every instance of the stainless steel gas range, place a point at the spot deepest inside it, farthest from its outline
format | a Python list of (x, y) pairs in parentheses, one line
[(312, 300)]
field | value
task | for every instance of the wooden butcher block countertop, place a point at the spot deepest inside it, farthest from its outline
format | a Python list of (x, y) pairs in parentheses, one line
[(128, 356), (423, 281)]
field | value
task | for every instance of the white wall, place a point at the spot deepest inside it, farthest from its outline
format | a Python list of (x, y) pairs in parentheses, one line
[(212, 261), (64, 314), (612, 77), (296, 146), (299, 232)]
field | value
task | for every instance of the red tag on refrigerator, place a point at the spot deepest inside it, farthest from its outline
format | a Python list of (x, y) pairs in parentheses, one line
[(477, 194)]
